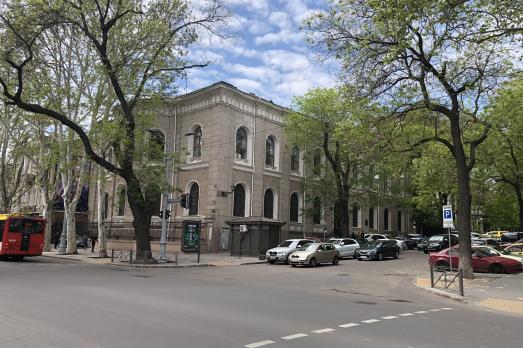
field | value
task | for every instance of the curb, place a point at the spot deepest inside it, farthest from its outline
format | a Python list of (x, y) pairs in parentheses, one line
[(446, 294), (160, 266)]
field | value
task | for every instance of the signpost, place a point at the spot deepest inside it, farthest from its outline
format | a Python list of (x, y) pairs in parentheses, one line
[(191, 237), (448, 223)]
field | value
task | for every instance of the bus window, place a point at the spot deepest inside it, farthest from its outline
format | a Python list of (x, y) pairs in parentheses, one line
[(34, 227), (15, 225), (2, 225)]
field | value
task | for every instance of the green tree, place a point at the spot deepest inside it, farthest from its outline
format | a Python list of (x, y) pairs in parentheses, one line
[(435, 56), (141, 47)]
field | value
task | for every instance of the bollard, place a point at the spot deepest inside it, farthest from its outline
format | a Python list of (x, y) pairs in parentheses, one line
[(431, 276), (112, 255), (460, 274), (130, 257), (176, 258)]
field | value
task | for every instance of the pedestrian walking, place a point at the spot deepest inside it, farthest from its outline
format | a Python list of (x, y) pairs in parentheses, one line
[(94, 239), (362, 235)]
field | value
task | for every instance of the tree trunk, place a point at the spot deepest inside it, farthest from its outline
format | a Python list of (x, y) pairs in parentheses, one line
[(141, 215), (102, 237), (71, 228), (464, 201), (519, 195), (48, 226), (341, 207)]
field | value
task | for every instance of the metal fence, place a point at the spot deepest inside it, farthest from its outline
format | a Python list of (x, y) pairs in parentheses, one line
[(132, 257)]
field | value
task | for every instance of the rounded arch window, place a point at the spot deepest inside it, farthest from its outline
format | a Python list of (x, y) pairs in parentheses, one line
[(399, 220), (295, 159), (241, 143), (156, 145), (294, 215), (371, 218), (194, 198), (197, 143), (316, 210), (386, 219), (120, 200), (239, 200), (105, 210), (270, 150), (355, 215), (268, 204)]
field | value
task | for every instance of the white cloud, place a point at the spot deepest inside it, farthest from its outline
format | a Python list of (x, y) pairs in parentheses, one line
[(249, 5), (246, 85), (280, 19), (284, 36), (258, 27), (285, 60), (262, 73)]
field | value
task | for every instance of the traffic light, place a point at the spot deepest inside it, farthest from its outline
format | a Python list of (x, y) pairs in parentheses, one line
[(184, 200), (167, 214), (160, 214)]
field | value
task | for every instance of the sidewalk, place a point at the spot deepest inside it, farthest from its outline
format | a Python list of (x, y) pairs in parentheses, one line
[(183, 259), (503, 292)]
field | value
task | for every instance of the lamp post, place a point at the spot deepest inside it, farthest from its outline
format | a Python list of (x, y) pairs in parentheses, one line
[(62, 247), (377, 177)]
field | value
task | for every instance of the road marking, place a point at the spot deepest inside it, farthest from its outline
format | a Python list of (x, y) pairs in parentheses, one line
[(323, 330), (520, 298), (447, 308), (500, 287), (295, 336), (389, 317), (259, 344), (348, 325), (421, 312), (435, 310), (406, 314), (369, 321)]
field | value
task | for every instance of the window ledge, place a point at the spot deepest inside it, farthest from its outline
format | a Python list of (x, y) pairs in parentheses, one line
[(272, 173)]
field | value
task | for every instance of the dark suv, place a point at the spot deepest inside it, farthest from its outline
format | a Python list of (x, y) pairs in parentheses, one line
[(379, 249), (439, 242)]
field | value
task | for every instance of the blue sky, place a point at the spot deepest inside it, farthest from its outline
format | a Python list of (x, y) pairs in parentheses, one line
[(265, 51)]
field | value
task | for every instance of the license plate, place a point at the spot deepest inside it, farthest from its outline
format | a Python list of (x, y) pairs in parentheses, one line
[(363, 257)]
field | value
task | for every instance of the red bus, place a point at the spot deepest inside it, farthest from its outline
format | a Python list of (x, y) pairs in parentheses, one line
[(21, 236)]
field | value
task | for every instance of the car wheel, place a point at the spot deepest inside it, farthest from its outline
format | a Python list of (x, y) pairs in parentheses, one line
[(18, 257), (496, 268), (355, 253), (293, 265), (396, 254), (425, 251), (442, 265), (271, 262), (379, 257), (335, 260), (313, 263)]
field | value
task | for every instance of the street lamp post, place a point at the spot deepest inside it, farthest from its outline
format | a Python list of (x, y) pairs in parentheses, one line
[(62, 247), (377, 177)]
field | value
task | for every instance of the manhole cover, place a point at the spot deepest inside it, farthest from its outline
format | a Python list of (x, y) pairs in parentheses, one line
[(365, 302)]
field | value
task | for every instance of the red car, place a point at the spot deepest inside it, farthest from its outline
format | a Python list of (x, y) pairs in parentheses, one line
[(481, 261)]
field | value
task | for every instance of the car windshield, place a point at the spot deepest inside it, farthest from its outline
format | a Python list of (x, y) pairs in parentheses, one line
[(334, 241), (309, 247), (373, 244), (285, 244), (436, 238)]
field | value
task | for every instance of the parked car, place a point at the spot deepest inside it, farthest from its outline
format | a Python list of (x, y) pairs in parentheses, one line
[(313, 254), (421, 244), (400, 243), (501, 253), (410, 243), (511, 237), (415, 236), (282, 251), (375, 236), (440, 242), (481, 261), (378, 250), (515, 249), (346, 246), (81, 241)]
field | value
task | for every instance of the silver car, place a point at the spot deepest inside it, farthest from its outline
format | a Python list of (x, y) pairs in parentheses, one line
[(282, 251), (315, 253), (346, 246)]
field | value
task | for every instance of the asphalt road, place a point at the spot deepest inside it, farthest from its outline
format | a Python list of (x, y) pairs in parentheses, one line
[(56, 303)]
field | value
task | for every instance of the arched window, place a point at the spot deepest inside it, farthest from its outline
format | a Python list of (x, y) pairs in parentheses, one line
[(105, 210), (399, 221), (371, 218), (317, 162), (156, 145), (386, 219), (316, 211), (197, 143), (355, 216), (239, 201), (268, 204), (194, 197), (295, 159), (241, 144), (269, 151), (120, 200), (294, 208)]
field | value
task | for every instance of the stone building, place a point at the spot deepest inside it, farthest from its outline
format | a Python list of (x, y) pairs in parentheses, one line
[(235, 160)]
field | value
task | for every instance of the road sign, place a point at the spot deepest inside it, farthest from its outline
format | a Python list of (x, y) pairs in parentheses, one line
[(448, 218), (173, 200)]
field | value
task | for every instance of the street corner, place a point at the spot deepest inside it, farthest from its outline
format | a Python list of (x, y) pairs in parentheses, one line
[(510, 306)]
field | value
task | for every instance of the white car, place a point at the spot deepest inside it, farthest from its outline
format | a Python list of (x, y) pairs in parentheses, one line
[(346, 246), (373, 236), (282, 251), (400, 243)]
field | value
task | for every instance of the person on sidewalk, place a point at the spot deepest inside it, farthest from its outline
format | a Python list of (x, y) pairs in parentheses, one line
[(94, 239)]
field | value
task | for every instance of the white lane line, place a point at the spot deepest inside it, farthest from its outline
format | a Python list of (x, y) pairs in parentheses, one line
[(421, 312), (406, 314), (447, 308), (389, 317), (520, 298), (259, 344), (348, 325), (323, 330), (369, 321), (295, 336), (435, 310)]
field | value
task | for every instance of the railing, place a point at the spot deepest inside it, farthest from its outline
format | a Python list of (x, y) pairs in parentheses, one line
[(446, 277), (133, 258)]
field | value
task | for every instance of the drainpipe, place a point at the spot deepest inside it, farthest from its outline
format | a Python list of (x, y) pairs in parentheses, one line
[(252, 152)]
